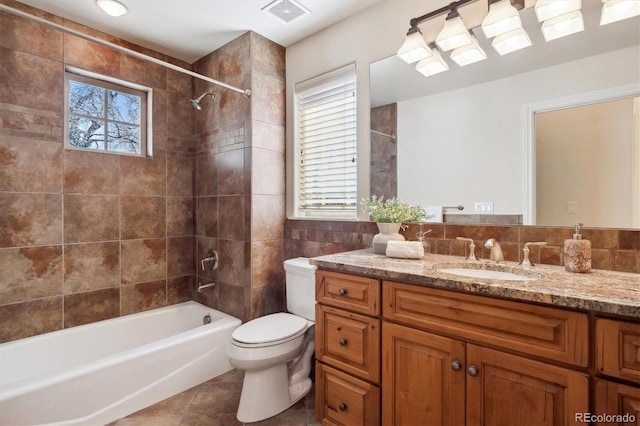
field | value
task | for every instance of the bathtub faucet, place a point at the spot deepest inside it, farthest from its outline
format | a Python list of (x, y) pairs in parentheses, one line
[(212, 258), (203, 286)]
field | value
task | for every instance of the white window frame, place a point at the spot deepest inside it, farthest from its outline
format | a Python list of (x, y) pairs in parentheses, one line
[(344, 79), (110, 83)]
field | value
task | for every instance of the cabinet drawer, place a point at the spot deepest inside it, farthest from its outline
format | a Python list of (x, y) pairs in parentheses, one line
[(345, 400), (357, 294), (348, 341), (618, 349), (556, 334)]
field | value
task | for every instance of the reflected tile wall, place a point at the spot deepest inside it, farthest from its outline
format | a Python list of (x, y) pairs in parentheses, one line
[(84, 235)]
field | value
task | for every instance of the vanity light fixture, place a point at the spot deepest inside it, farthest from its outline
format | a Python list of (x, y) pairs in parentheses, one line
[(112, 7), (511, 41), (468, 54), (547, 9), (503, 17), (432, 65), (617, 10), (563, 25), (454, 33), (414, 47)]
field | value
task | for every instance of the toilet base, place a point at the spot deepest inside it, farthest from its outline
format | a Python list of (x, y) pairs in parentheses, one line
[(266, 393)]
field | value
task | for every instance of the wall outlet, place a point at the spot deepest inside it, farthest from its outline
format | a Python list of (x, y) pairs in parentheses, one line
[(572, 207), (484, 207)]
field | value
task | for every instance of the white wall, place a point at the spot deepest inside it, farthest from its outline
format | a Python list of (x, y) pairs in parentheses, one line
[(466, 145)]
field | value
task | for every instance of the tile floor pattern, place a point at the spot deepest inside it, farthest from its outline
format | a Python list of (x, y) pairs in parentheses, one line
[(214, 403)]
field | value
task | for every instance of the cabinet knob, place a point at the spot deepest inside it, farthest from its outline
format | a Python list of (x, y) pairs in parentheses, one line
[(342, 341), (342, 291), (473, 371), (455, 365), (342, 406)]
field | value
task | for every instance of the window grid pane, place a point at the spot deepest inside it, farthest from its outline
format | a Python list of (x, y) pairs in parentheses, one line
[(102, 118)]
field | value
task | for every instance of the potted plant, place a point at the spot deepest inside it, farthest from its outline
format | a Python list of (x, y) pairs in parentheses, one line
[(390, 215)]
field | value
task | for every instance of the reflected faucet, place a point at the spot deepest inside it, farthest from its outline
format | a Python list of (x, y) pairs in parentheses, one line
[(496, 255), (472, 248)]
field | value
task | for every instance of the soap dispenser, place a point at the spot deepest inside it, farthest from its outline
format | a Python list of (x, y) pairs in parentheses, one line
[(577, 253)]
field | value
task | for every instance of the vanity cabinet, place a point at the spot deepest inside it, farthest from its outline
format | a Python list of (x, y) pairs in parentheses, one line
[(347, 349), (394, 353), (456, 379)]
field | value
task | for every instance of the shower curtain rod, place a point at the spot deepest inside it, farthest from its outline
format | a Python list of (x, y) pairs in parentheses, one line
[(129, 52)]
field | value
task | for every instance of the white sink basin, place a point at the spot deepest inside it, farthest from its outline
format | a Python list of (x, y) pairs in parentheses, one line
[(487, 274)]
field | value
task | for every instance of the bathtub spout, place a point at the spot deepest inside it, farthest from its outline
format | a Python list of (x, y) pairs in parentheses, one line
[(203, 286)]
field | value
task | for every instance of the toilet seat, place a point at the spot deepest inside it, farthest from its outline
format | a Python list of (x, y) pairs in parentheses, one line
[(269, 330)]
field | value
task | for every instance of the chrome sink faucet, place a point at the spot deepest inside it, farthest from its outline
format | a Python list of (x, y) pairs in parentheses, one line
[(526, 263), (496, 255), (472, 248)]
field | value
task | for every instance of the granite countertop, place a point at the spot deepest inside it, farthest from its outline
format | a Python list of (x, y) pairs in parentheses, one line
[(602, 291)]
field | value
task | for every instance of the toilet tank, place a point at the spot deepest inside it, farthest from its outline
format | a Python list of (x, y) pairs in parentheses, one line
[(301, 287)]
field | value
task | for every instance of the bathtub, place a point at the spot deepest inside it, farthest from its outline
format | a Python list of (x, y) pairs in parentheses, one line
[(100, 372)]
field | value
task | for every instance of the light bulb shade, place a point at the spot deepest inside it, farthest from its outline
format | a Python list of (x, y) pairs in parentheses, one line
[(454, 34), (547, 9), (112, 7), (511, 41), (617, 10), (502, 18), (468, 54), (414, 48), (433, 65), (563, 25)]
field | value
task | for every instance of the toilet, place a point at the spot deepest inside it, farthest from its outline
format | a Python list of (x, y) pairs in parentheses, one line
[(275, 350)]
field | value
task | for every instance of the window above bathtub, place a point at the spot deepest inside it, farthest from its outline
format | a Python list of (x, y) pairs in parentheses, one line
[(106, 114)]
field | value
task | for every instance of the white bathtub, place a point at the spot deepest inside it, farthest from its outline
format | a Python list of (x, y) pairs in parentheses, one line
[(100, 372)]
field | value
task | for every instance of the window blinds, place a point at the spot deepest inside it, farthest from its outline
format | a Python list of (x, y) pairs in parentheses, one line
[(326, 145)]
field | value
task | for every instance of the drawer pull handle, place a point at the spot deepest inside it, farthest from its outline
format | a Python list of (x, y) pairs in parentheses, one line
[(343, 342), (455, 365), (342, 406), (342, 291), (473, 371)]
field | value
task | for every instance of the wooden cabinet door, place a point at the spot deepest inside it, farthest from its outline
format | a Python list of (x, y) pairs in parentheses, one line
[(504, 389), (620, 402), (422, 378), (618, 349)]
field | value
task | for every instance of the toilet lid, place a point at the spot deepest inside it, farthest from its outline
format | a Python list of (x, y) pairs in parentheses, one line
[(269, 328)]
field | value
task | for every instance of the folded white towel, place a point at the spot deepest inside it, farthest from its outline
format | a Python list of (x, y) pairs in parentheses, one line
[(405, 249)]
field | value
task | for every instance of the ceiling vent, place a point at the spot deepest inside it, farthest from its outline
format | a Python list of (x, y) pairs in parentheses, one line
[(286, 10)]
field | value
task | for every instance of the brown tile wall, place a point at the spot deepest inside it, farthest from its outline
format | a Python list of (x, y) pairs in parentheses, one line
[(239, 177), (612, 249), (86, 236)]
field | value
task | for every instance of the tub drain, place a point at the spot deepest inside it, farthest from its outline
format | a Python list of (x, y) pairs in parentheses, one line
[(206, 319)]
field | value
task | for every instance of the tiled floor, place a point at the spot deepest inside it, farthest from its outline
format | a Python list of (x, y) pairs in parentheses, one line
[(214, 403)]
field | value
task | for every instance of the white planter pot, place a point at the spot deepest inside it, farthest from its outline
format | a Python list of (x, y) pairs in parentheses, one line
[(388, 232)]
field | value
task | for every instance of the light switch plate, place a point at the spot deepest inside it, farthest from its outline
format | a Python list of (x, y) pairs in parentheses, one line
[(484, 207)]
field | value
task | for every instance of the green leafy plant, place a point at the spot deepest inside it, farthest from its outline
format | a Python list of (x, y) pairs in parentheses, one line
[(392, 210)]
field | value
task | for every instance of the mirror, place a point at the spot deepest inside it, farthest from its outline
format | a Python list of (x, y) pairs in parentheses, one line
[(461, 137)]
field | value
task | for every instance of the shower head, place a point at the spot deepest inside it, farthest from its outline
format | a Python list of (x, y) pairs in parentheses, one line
[(196, 102)]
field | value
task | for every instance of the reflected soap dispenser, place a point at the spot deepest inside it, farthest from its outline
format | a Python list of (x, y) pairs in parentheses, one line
[(577, 253)]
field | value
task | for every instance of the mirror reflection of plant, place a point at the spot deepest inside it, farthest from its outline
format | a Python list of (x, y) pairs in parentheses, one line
[(392, 210)]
